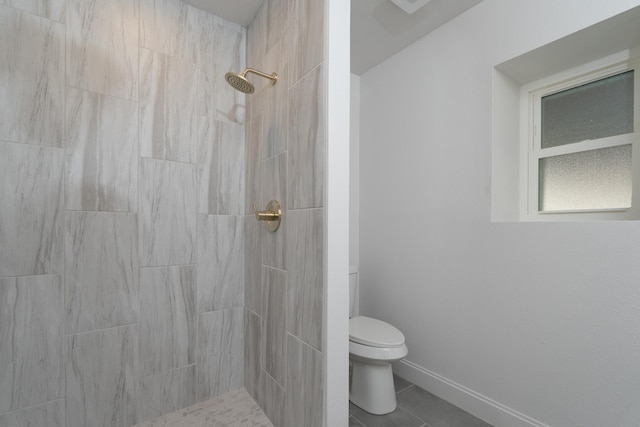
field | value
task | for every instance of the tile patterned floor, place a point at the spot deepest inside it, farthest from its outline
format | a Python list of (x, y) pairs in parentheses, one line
[(233, 409), (416, 408)]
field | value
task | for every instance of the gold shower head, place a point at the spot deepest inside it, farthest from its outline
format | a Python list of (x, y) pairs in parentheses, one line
[(241, 83)]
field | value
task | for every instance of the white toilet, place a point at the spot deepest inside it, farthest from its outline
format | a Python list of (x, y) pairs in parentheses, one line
[(373, 345)]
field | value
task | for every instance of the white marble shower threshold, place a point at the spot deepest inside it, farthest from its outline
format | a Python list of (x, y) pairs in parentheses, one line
[(234, 409)]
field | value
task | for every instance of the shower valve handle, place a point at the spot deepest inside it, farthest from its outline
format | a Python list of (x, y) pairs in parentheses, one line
[(272, 215)]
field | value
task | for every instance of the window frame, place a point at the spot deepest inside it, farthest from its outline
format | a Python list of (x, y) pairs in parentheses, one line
[(531, 152)]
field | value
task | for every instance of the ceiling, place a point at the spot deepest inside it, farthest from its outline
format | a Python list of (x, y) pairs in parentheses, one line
[(379, 28)]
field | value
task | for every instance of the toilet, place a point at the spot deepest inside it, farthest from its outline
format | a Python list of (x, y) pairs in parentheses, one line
[(373, 345)]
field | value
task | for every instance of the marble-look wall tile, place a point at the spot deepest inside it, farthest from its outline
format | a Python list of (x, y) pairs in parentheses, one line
[(161, 24), (101, 270), (50, 414), (277, 20), (167, 209), (167, 104), (31, 78), (31, 209), (220, 262), (307, 36), (252, 351), (31, 336), (231, 164), (305, 274), (210, 133), (305, 385), (306, 172), (101, 153), (166, 392), (102, 46), (275, 323), (272, 399), (220, 167), (220, 364), (167, 323), (253, 232), (274, 186), (257, 40), (101, 372), (253, 164), (223, 51), (52, 9)]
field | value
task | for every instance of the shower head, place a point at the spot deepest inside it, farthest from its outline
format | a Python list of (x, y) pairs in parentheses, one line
[(241, 83)]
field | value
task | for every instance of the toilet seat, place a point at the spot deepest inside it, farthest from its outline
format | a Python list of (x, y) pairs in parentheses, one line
[(374, 333)]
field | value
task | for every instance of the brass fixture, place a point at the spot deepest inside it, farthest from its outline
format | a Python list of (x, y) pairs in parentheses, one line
[(272, 215), (240, 82)]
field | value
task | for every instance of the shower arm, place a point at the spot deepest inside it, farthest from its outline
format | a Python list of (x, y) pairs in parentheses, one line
[(273, 77)]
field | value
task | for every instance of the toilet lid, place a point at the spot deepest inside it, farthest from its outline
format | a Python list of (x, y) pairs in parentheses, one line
[(373, 332)]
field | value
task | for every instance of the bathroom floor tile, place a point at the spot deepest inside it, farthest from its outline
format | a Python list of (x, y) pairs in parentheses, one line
[(400, 383), (398, 418), (416, 407), (435, 411)]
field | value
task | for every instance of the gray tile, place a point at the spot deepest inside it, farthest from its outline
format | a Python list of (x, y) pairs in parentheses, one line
[(277, 20), (101, 270), (50, 414), (52, 9), (274, 187), (253, 164), (305, 385), (219, 361), (166, 392), (167, 325), (167, 98), (231, 165), (253, 232), (252, 352), (307, 37), (397, 418), (102, 54), (101, 374), (167, 213), (354, 423), (400, 383), (257, 41), (435, 411), (272, 399), (31, 77), (220, 262), (275, 103), (161, 24), (220, 167), (308, 142), (31, 210), (305, 252), (31, 339), (275, 323), (221, 49), (210, 133), (235, 408), (101, 153)]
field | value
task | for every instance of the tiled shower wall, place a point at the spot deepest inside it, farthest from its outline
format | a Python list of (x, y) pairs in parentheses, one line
[(121, 210), (284, 271)]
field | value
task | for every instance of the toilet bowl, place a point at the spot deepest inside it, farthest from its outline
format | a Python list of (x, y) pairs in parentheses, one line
[(373, 345)]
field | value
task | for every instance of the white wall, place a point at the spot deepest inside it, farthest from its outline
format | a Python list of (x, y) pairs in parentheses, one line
[(521, 323), (354, 173)]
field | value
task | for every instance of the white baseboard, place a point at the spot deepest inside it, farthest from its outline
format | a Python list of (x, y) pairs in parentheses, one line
[(475, 403)]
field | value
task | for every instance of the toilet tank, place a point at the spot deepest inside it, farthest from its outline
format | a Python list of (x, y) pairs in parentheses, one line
[(354, 292)]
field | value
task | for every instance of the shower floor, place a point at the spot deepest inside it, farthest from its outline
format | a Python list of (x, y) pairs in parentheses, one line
[(236, 408)]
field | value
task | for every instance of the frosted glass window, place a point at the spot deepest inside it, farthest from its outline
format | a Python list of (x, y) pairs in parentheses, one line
[(595, 110), (593, 179)]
